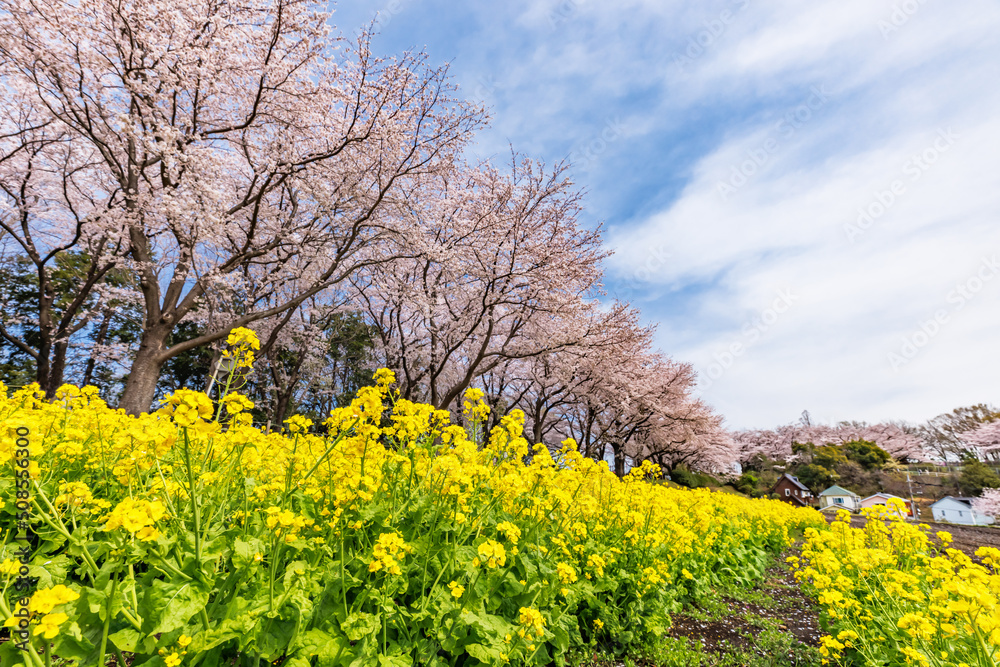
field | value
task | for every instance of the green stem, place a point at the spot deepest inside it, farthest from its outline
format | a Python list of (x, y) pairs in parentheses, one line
[(343, 579), (194, 499), (107, 620)]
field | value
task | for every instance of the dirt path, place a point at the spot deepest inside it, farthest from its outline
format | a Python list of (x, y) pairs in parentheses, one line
[(774, 624)]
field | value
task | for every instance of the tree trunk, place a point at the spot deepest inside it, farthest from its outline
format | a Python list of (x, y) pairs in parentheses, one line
[(42, 368), (619, 460), (536, 428), (58, 368), (284, 397), (140, 388)]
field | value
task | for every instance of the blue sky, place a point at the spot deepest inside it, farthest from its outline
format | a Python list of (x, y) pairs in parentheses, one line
[(804, 196)]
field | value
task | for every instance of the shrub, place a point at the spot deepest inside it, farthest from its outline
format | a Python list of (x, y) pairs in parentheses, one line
[(975, 477), (747, 483)]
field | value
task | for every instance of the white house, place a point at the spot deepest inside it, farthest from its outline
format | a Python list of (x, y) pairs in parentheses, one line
[(838, 497), (959, 510)]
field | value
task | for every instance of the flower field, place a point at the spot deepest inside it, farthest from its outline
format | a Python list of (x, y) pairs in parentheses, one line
[(895, 595), (189, 536)]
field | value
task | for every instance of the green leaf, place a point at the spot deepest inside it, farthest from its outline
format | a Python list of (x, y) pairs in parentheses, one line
[(394, 661), (274, 643), (71, 644), (168, 606), (317, 642), (359, 625), (230, 628), (487, 625), (126, 639), (9, 655), (560, 638), (244, 552), (51, 571), (487, 654)]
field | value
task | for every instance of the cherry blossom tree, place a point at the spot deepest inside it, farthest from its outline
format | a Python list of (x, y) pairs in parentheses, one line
[(501, 272), (988, 503), (53, 255), (945, 434), (639, 407), (547, 387), (902, 443), (245, 153), (617, 397), (774, 444), (985, 439), (690, 434)]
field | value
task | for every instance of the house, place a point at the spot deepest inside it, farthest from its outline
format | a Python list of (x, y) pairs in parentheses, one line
[(959, 510), (838, 497), (883, 499), (791, 490)]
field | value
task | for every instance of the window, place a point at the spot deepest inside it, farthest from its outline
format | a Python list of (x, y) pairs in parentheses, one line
[(788, 492), (839, 501)]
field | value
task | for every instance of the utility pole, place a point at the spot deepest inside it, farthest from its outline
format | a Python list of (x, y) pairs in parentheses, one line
[(913, 505)]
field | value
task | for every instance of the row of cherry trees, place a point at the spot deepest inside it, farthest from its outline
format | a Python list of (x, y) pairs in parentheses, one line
[(172, 170), (967, 433), (778, 444)]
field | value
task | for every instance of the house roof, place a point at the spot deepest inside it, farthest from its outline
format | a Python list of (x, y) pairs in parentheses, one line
[(883, 495), (794, 480), (838, 491), (965, 501)]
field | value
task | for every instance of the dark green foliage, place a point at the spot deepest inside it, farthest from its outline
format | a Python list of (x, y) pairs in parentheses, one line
[(975, 477), (816, 477), (829, 456), (866, 454), (684, 477), (693, 480), (747, 483)]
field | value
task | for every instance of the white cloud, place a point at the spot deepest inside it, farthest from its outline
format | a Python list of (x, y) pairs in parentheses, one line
[(793, 222), (705, 266)]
